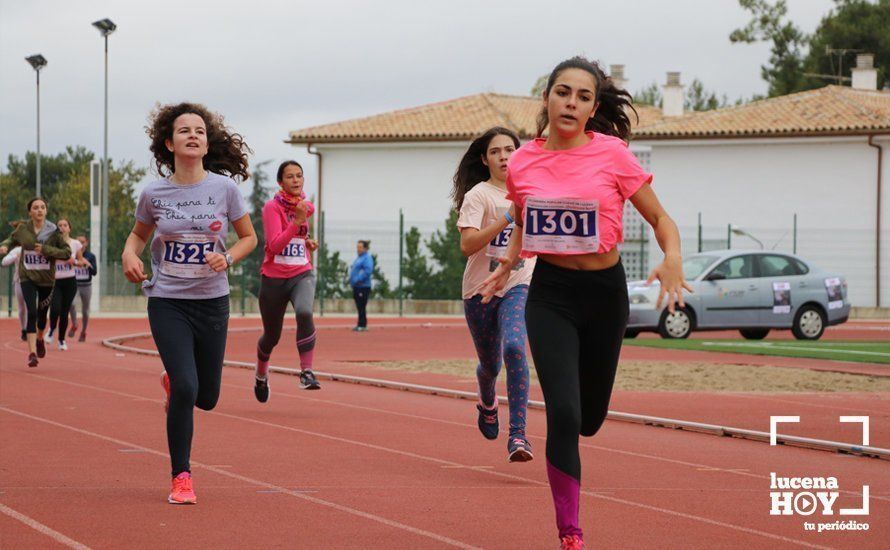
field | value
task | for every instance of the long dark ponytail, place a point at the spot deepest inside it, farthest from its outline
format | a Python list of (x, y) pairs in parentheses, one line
[(612, 114), (471, 169)]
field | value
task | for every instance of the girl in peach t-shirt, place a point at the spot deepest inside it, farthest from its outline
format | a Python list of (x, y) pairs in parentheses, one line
[(568, 191), (497, 327)]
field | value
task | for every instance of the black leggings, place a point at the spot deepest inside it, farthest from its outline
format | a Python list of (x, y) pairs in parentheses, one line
[(37, 302), (361, 295), (575, 321), (63, 297), (191, 338)]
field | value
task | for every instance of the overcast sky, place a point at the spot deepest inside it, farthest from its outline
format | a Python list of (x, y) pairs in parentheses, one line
[(271, 66)]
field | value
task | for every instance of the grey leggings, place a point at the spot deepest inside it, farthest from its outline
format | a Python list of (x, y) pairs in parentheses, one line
[(86, 295), (274, 297)]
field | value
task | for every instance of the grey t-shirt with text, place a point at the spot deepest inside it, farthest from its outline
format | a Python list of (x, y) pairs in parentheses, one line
[(190, 220)]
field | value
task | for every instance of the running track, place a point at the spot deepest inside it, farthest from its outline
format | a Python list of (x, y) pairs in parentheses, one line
[(84, 464)]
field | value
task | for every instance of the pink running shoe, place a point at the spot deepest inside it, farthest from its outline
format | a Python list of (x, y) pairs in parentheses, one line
[(182, 491), (571, 542), (165, 383)]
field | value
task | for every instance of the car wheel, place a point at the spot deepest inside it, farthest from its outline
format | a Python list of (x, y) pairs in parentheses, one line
[(676, 325), (631, 333), (754, 333), (809, 323)]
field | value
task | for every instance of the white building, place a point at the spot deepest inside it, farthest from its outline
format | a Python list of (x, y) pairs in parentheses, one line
[(822, 155)]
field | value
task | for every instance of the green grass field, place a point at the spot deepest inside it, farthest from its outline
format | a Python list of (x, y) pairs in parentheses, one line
[(863, 352)]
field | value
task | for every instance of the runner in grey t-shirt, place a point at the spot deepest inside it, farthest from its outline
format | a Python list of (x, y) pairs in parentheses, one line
[(190, 220), (189, 211)]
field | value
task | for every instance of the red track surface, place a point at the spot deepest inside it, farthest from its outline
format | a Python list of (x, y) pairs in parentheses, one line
[(84, 460)]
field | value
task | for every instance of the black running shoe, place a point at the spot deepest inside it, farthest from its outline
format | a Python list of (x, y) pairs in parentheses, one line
[(519, 449), (261, 390), (308, 381), (41, 348), (32, 360), (488, 422)]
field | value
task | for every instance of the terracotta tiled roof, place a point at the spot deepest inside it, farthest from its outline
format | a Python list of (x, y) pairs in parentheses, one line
[(832, 110), (458, 119)]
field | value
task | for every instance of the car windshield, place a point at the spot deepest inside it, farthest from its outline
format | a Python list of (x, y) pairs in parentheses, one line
[(693, 266)]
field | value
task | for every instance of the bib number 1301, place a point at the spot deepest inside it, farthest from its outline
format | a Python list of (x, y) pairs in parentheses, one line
[(561, 226), (560, 222)]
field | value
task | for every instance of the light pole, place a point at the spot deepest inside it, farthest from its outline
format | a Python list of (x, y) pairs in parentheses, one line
[(38, 62), (106, 27), (736, 230)]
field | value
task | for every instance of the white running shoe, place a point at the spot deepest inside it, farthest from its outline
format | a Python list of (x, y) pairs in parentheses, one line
[(48, 338), (63, 346)]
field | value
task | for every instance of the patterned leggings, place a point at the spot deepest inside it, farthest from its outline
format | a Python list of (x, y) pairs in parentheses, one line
[(497, 328)]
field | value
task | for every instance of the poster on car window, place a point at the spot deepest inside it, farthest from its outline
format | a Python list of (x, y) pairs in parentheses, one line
[(781, 297), (835, 297)]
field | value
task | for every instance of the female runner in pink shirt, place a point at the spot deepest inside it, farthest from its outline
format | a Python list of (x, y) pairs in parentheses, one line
[(287, 276), (569, 190)]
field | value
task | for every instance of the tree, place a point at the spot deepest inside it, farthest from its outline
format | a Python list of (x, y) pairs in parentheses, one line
[(784, 72), (444, 246), (65, 183), (382, 288), (853, 25), (416, 271), (697, 98), (650, 95), (439, 277), (259, 194), (539, 85), (333, 275)]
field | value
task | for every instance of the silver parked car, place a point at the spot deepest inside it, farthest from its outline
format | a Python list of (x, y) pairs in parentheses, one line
[(752, 291)]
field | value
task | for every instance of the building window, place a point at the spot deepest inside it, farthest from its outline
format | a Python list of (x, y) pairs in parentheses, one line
[(635, 250)]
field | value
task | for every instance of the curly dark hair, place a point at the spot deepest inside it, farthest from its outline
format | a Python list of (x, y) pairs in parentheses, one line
[(226, 150)]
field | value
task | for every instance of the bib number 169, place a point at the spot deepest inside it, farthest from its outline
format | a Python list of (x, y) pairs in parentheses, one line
[(294, 250)]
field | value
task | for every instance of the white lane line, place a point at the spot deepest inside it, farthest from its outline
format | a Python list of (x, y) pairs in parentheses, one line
[(42, 529), (407, 454), (298, 494)]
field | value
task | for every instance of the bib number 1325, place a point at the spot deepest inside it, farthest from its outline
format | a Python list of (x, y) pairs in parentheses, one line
[(185, 256), (186, 253)]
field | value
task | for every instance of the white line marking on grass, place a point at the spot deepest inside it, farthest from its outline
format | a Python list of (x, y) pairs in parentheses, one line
[(768, 345)]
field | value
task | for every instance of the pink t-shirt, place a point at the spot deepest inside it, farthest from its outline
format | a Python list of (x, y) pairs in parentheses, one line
[(572, 200), (484, 205), (286, 254)]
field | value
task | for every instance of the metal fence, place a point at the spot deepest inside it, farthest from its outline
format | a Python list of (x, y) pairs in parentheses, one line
[(847, 251)]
